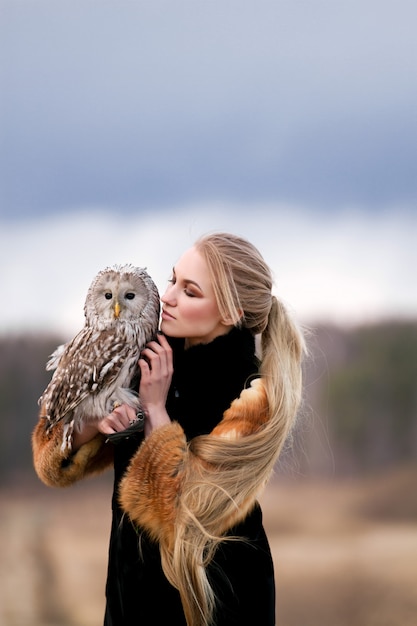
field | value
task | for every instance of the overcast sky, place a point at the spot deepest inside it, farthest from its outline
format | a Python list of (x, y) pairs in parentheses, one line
[(129, 128), (152, 103)]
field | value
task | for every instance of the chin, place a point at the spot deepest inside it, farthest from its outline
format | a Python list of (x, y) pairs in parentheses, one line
[(167, 329)]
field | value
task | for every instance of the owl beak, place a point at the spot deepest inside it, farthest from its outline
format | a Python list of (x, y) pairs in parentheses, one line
[(116, 309)]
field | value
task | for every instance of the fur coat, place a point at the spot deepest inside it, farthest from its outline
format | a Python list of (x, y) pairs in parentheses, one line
[(206, 397)]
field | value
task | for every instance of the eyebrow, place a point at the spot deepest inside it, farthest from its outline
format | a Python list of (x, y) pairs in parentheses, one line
[(189, 281)]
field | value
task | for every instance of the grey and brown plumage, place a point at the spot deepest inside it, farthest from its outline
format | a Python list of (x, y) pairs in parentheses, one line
[(94, 371)]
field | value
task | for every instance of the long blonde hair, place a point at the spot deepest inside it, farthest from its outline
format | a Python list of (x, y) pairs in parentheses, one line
[(223, 477)]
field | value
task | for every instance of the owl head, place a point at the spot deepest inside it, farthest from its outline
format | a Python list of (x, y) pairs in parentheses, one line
[(122, 294)]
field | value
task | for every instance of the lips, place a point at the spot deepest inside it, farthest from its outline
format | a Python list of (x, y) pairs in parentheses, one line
[(166, 315)]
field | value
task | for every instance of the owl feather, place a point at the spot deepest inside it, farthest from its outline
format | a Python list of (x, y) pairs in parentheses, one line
[(95, 370)]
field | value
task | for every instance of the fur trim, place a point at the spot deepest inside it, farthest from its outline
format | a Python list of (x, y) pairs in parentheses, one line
[(246, 415), (151, 486), (149, 489), (58, 468)]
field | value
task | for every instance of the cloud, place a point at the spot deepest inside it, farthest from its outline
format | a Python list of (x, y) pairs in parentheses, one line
[(345, 268)]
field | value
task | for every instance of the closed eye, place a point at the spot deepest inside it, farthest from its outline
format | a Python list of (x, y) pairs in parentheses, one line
[(188, 292)]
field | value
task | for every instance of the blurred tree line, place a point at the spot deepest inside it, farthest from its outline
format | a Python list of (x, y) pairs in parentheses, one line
[(359, 415), (360, 412), (22, 380)]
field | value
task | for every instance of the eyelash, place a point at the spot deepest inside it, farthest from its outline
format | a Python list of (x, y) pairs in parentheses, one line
[(187, 293)]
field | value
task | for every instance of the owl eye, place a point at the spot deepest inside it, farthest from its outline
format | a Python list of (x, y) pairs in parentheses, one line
[(108, 295), (129, 295)]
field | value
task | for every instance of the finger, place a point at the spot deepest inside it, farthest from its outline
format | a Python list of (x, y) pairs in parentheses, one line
[(154, 350), (106, 427), (112, 424), (124, 415), (160, 345), (117, 421), (154, 345), (155, 360), (120, 411), (144, 367), (163, 341), (167, 349)]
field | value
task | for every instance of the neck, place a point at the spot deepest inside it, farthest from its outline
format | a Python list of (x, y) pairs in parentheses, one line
[(194, 341)]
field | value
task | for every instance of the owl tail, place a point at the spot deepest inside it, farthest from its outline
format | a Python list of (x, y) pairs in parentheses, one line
[(67, 437)]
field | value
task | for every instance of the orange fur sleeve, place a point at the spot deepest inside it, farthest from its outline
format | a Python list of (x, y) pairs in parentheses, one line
[(246, 414), (152, 484), (61, 469)]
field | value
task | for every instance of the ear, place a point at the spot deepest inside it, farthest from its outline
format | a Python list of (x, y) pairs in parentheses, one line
[(229, 321)]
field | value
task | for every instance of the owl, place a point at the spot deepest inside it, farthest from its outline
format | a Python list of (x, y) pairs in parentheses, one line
[(94, 372)]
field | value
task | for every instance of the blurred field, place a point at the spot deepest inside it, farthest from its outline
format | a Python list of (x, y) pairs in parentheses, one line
[(345, 552)]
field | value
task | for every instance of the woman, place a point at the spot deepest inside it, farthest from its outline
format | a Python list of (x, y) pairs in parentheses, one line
[(187, 544)]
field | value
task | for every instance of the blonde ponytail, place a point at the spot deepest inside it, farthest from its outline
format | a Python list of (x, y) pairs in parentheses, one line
[(283, 348)]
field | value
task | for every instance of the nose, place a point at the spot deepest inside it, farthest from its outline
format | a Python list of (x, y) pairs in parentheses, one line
[(169, 296)]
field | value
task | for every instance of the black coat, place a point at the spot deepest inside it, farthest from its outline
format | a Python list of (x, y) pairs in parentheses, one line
[(206, 379)]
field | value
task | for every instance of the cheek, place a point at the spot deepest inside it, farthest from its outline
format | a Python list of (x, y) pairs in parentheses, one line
[(192, 312), (201, 312)]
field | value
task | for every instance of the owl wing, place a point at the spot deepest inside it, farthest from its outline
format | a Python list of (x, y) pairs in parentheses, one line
[(55, 357), (91, 361)]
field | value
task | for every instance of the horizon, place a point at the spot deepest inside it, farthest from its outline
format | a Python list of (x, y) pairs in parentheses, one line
[(346, 269)]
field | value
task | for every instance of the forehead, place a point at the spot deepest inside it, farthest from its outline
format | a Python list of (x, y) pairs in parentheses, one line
[(193, 266)]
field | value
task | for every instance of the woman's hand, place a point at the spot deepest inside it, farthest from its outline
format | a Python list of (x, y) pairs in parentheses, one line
[(120, 418), (156, 373)]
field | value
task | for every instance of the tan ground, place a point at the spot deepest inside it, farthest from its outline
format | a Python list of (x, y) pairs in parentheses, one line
[(345, 553)]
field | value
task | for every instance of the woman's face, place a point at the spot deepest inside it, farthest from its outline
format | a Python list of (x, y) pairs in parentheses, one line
[(189, 306)]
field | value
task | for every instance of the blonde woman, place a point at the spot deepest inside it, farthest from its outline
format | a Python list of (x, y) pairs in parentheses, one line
[(187, 545)]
